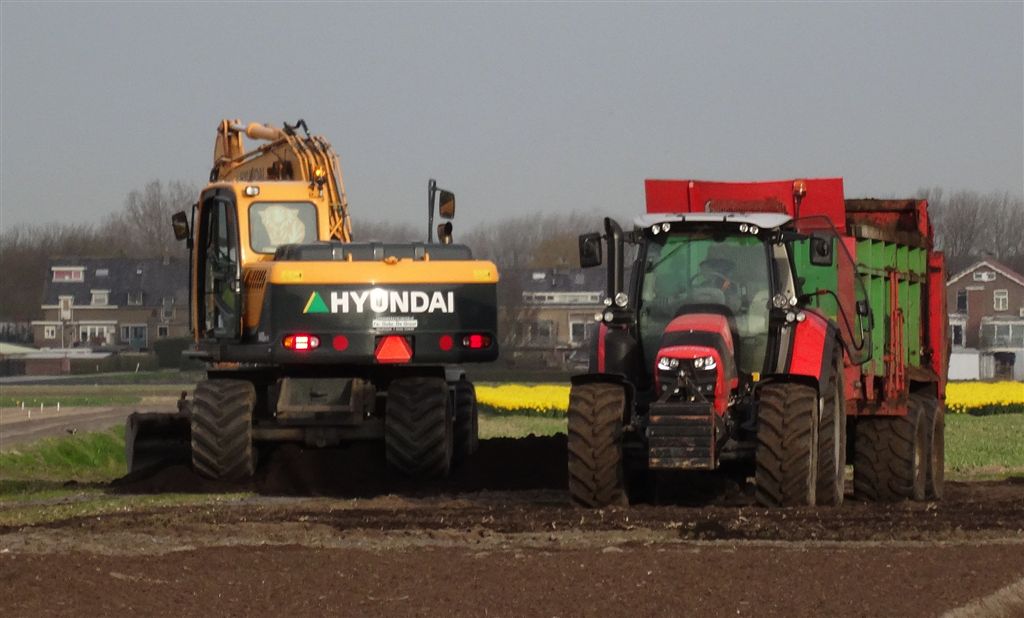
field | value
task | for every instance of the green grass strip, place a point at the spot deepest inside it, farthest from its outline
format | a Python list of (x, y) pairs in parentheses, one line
[(88, 458)]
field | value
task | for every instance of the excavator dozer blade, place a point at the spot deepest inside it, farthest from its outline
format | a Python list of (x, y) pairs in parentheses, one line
[(157, 439)]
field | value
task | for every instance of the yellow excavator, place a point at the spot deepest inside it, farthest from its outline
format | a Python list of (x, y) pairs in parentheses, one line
[(312, 337)]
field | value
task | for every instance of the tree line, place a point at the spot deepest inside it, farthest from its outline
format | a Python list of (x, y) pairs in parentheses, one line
[(969, 225)]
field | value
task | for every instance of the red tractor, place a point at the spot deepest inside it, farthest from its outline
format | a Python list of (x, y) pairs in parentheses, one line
[(770, 327)]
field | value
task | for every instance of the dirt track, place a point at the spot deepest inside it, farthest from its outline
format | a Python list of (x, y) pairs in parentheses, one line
[(499, 538)]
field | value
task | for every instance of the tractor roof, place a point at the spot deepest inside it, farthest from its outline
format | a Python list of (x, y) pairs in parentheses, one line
[(763, 220)]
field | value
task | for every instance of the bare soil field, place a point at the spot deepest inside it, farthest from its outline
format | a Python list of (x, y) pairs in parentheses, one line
[(333, 532)]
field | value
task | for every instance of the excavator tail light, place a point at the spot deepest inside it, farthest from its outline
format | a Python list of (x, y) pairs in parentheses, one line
[(476, 341), (301, 343)]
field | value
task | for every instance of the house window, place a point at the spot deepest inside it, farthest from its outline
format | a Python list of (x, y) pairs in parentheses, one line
[(1001, 300), (125, 334), (65, 307), (168, 308), (541, 332), (93, 333), (134, 298), (100, 297), (49, 332), (958, 334), (961, 301), (577, 331), (161, 331), (68, 273), (1001, 335), (985, 275)]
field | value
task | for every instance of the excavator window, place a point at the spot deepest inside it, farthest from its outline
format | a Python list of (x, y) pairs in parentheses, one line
[(272, 224), (219, 268)]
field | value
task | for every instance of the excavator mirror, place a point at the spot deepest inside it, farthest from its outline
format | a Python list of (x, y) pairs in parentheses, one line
[(444, 233), (447, 208), (179, 221), (590, 250)]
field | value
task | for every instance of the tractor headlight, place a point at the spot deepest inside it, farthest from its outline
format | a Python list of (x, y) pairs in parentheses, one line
[(666, 363), (707, 363), (621, 299)]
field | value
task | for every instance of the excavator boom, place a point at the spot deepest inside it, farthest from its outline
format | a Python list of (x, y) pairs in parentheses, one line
[(284, 156)]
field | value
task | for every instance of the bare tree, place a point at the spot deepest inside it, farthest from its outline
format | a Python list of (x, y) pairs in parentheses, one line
[(144, 224), (970, 225)]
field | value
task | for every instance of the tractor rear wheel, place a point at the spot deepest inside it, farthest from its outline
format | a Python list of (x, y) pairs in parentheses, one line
[(891, 455), (786, 456), (935, 439), (595, 444), (832, 436), (222, 436), (418, 432), (466, 422)]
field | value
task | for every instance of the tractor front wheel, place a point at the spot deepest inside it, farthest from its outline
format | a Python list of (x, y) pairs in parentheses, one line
[(595, 444), (832, 436), (786, 455)]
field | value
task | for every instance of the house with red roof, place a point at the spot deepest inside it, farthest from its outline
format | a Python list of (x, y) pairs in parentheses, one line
[(985, 303)]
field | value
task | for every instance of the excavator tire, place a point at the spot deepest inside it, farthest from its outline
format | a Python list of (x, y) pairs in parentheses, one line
[(787, 427), (466, 422), (595, 444), (832, 436), (890, 456), (418, 427), (222, 436), (935, 439)]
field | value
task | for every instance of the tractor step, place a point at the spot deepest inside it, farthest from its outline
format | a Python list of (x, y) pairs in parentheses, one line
[(681, 436)]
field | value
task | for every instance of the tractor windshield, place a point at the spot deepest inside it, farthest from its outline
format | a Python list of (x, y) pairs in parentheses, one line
[(707, 268)]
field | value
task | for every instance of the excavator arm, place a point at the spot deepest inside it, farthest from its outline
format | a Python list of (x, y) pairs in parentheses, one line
[(284, 156)]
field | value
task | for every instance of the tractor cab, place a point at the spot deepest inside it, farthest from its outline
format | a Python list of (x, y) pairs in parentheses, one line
[(704, 286)]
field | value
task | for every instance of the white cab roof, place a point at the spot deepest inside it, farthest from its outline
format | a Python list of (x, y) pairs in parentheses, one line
[(763, 220)]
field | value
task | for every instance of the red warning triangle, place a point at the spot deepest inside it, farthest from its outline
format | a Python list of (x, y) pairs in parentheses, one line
[(393, 349)]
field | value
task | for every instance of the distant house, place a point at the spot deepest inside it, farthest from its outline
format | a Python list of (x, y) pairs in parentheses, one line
[(985, 303), (113, 302), (557, 313)]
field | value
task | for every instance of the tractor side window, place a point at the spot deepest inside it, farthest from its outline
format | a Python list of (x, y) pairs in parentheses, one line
[(272, 224)]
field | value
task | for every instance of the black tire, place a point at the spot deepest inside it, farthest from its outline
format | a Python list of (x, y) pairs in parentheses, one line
[(595, 444), (890, 455), (786, 456), (466, 422), (418, 427), (222, 436), (935, 439), (832, 436)]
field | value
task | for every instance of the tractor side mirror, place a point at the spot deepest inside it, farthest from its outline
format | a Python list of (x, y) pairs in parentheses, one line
[(821, 250), (590, 250), (179, 221), (447, 207)]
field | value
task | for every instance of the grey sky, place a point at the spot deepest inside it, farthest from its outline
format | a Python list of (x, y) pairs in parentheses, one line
[(517, 108)]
